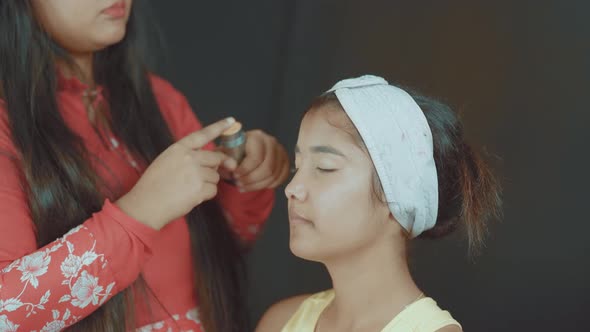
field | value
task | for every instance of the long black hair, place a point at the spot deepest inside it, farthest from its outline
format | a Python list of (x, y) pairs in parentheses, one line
[(62, 188)]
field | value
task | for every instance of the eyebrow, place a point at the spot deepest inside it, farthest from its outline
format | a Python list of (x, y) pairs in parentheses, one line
[(322, 149)]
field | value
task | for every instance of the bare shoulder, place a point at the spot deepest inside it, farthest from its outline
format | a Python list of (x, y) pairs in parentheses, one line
[(450, 328), (279, 314)]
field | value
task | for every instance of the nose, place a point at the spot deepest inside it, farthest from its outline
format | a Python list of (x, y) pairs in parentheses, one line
[(295, 190)]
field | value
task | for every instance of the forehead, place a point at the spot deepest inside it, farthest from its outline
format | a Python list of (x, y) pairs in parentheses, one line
[(327, 124)]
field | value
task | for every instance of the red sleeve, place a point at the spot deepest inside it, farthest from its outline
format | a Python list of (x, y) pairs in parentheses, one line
[(55, 286), (246, 212)]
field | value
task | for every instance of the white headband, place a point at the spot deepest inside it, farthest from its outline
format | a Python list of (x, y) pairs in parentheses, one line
[(399, 140)]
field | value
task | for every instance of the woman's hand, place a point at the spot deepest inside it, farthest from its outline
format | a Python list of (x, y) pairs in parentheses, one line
[(179, 179), (266, 164)]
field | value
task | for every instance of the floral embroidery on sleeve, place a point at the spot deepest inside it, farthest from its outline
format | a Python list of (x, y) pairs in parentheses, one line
[(71, 275)]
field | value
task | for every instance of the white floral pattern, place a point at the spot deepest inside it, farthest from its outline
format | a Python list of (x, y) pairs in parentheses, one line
[(86, 290), (10, 305), (176, 323), (33, 266), (82, 287), (193, 315), (71, 266), (55, 326), (6, 325)]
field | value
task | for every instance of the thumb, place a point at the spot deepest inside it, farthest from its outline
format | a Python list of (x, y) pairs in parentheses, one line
[(227, 168)]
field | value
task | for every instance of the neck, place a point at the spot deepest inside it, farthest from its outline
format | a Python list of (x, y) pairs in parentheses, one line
[(81, 68), (371, 286)]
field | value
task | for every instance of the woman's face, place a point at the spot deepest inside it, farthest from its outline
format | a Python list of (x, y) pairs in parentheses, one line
[(83, 26), (332, 211)]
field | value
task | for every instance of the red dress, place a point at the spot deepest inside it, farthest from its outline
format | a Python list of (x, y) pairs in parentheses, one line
[(49, 288)]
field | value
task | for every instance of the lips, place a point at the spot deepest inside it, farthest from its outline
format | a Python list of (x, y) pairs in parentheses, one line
[(295, 218), (117, 10)]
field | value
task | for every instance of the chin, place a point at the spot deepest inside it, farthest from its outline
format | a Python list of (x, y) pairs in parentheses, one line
[(110, 35), (115, 37), (304, 249)]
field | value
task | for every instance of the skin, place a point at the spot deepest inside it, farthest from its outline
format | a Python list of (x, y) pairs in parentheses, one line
[(335, 219), (82, 27)]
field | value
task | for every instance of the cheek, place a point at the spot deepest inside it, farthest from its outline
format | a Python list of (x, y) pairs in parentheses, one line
[(68, 29), (344, 206), (344, 220)]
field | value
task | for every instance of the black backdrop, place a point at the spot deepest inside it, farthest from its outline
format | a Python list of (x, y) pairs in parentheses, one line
[(518, 73)]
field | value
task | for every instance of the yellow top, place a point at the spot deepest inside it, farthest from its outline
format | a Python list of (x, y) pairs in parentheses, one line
[(421, 316)]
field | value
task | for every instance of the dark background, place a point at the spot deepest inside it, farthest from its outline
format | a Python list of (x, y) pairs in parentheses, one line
[(517, 72)]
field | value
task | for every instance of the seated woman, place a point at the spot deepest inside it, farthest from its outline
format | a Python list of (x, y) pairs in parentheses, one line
[(377, 167)]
